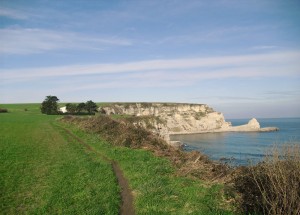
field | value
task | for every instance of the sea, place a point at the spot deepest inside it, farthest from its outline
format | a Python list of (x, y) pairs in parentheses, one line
[(243, 148)]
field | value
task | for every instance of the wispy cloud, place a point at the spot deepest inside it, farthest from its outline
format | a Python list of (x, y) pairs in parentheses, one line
[(28, 41), (218, 34), (192, 69), (13, 14), (263, 47), (227, 98), (285, 92)]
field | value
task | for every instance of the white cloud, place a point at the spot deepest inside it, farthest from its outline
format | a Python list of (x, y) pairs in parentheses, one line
[(264, 47), (28, 41), (270, 64)]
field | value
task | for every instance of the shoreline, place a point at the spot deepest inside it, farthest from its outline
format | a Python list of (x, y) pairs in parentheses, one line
[(235, 129), (232, 129)]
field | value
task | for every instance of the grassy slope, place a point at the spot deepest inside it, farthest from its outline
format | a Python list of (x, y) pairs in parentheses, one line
[(156, 188), (44, 172)]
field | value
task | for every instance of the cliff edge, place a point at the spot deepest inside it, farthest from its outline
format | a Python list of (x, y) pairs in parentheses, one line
[(166, 119)]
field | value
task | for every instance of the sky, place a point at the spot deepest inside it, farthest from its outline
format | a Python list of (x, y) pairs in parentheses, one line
[(240, 57)]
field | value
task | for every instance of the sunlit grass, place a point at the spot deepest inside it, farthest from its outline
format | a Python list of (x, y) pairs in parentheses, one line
[(44, 172), (28, 108), (156, 188)]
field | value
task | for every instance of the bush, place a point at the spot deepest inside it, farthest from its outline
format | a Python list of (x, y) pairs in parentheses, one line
[(272, 186), (123, 132), (117, 133), (3, 110)]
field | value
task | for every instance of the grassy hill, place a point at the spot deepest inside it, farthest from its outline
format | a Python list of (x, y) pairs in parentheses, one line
[(45, 171)]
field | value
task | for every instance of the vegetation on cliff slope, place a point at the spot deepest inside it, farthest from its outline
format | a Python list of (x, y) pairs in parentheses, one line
[(123, 133), (272, 186), (43, 171), (154, 180)]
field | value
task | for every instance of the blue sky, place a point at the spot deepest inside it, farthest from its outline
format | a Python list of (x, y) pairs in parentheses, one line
[(240, 57)]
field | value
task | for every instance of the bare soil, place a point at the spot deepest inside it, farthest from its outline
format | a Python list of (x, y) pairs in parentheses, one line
[(126, 194)]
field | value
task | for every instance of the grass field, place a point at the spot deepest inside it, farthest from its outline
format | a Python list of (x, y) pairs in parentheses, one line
[(155, 186), (43, 171)]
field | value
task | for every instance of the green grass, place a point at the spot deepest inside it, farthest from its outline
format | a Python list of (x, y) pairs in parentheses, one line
[(32, 108), (156, 188), (43, 171)]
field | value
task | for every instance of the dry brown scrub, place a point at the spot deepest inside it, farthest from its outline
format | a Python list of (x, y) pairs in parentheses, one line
[(273, 186), (124, 133), (3, 110)]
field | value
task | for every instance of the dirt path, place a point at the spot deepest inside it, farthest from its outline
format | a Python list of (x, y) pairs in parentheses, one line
[(126, 194)]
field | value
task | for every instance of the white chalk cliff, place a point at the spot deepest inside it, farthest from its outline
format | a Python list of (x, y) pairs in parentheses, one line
[(179, 118)]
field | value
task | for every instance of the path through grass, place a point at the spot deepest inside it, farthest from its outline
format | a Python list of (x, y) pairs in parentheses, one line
[(44, 172), (156, 188)]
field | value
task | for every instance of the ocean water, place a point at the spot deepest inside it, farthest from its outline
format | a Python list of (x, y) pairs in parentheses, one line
[(243, 148)]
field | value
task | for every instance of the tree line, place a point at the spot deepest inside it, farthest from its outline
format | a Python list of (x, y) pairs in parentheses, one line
[(50, 106)]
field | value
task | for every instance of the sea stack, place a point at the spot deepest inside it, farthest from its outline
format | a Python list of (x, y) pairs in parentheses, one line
[(253, 124)]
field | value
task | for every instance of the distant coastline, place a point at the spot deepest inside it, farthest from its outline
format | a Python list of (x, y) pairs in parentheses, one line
[(243, 146)]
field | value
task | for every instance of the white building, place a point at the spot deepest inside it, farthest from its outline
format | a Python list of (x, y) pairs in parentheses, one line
[(63, 109)]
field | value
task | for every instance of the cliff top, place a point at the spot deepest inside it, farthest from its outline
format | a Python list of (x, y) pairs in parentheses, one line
[(148, 104)]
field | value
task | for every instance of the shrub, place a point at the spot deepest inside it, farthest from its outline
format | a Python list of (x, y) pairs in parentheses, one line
[(71, 108), (80, 107), (199, 115), (123, 132), (146, 105), (117, 133), (91, 107), (3, 110), (272, 186)]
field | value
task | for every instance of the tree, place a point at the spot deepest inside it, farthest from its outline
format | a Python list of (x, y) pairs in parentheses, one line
[(49, 105), (91, 107), (71, 108), (80, 107)]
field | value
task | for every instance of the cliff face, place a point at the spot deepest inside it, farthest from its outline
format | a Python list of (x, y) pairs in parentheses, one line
[(169, 118), (165, 119)]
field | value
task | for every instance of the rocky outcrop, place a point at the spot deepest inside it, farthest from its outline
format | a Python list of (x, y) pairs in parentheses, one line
[(166, 119), (252, 125)]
